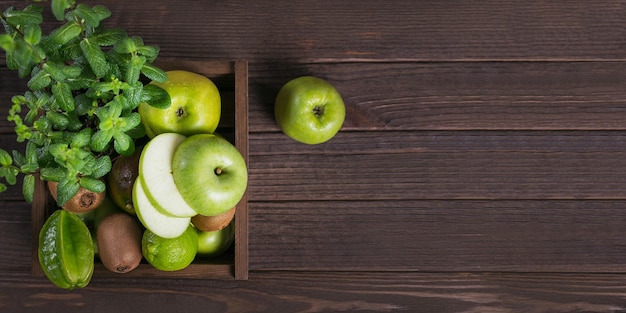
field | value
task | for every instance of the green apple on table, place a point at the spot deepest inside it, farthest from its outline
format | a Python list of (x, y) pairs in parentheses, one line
[(195, 106), (309, 110), (210, 173)]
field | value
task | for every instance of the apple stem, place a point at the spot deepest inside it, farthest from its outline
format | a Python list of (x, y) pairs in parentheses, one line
[(318, 110), (218, 171)]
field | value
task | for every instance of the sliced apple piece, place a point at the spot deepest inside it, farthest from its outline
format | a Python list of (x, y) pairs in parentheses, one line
[(155, 174), (162, 225)]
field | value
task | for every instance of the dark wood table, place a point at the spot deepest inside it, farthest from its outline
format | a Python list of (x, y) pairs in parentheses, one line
[(480, 167)]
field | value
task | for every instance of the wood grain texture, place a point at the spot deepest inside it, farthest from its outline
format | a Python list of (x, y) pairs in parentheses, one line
[(306, 292), (390, 30), (439, 165), (441, 236)]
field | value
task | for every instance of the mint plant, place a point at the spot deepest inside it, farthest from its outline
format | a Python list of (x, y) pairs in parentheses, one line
[(85, 82)]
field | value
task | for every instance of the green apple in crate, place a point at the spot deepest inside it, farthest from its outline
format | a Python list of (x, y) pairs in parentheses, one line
[(215, 243), (195, 106), (210, 173), (309, 110)]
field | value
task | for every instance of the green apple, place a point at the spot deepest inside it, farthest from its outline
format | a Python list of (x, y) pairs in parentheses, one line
[(309, 110), (162, 225), (210, 173), (195, 106), (215, 243), (155, 175)]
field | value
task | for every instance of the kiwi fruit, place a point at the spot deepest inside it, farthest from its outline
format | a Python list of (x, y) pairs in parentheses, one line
[(84, 201), (213, 223), (121, 178), (119, 242)]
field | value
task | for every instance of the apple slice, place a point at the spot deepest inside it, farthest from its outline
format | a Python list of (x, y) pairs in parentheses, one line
[(155, 174), (162, 225)]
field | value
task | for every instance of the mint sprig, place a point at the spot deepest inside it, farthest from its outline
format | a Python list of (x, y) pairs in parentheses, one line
[(84, 87)]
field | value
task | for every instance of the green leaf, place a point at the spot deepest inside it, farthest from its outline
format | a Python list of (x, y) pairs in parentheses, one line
[(5, 158), (154, 73), (67, 188), (150, 52), (59, 121), (39, 79), (3, 187), (124, 46), (19, 158), (133, 70), (108, 37), (92, 16), (59, 7), (95, 57), (82, 138), (133, 94), (24, 57), (92, 184), (100, 140), (52, 173), (31, 14), (137, 132), (123, 144), (28, 188), (84, 105), (62, 35), (156, 96), (102, 166), (63, 96), (32, 33), (7, 43)]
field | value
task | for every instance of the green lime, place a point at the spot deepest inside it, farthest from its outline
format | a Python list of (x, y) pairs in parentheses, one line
[(170, 254)]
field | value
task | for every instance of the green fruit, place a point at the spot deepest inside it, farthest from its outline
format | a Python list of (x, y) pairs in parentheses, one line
[(210, 173), (66, 252), (170, 254), (309, 110), (195, 108), (215, 243)]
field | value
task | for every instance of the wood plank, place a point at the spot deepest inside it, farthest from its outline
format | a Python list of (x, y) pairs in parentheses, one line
[(439, 165), (279, 292), (287, 31), (438, 236)]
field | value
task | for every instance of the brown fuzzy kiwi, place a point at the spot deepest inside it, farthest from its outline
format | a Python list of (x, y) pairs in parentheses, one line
[(119, 242), (213, 223), (84, 201)]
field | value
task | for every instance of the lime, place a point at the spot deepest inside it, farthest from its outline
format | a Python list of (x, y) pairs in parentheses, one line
[(170, 254)]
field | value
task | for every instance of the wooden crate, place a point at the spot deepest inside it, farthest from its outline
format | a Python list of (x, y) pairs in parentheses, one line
[(231, 78)]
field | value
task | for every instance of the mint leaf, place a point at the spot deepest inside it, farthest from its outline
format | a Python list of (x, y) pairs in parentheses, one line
[(63, 96), (59, 7), (95, 57), (5, 158), (92, 184), (156, 96), (28, 188), (154, 73)]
